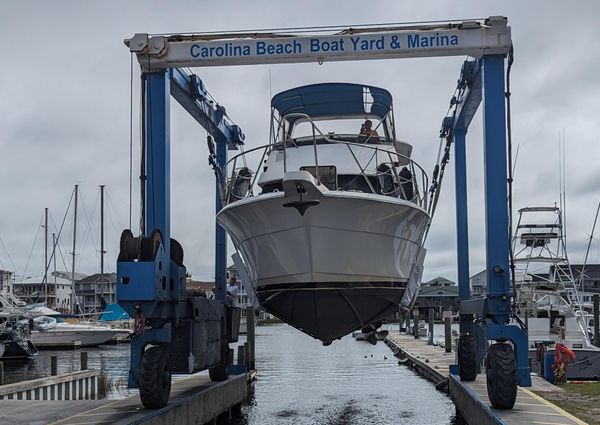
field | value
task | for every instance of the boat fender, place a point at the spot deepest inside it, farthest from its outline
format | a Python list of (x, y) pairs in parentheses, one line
[(241, 183), (387, 186)]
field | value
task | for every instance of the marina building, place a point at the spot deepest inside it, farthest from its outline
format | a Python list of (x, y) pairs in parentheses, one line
[(56, 293), (94, 292), (439, 294)]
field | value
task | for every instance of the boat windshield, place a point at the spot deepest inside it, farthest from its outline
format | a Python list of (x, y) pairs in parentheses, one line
[(337, 126)]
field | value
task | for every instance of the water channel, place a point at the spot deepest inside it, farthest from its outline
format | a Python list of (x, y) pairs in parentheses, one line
[(300, 381)]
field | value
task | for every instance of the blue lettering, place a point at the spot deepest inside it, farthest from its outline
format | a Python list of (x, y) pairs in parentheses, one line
[(194, 50), (413, 40), (260, 47), (264, 48), (314, 45)]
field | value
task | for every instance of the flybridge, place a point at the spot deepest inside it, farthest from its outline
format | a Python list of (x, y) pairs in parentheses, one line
[(471, 38)]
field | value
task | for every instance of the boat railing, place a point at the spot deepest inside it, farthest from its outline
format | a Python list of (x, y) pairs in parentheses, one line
[(409, 183)]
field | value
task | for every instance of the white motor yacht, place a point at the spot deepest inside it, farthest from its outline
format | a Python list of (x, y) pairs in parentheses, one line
[(330, 224)]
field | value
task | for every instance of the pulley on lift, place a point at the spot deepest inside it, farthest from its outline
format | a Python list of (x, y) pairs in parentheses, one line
[(143, 248)]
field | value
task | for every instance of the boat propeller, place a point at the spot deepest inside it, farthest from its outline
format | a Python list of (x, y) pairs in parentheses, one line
[(372, 335)]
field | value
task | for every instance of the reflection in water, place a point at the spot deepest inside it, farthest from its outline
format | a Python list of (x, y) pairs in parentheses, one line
[(349, 382)]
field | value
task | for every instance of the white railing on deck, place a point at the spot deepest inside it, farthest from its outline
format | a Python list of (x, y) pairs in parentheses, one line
[(419, 178)]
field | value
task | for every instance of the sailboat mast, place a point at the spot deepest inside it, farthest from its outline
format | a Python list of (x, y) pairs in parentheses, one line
[(46, 256), (73, 295), (102, 242), (54, 257)]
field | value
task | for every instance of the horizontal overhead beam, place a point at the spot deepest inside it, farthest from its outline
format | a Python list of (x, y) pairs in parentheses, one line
[(470, 100), (471, 38), (189, 91)]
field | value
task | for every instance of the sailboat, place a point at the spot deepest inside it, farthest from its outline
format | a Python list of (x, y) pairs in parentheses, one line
[(330, 222), (49, 330)]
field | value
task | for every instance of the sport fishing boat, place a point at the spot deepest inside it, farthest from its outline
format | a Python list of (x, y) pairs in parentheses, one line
[(548, 299), (330, 223)]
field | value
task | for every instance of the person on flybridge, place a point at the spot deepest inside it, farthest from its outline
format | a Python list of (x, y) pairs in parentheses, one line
[(367, 129)]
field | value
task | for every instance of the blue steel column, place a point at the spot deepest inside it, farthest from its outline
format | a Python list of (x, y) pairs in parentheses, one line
[(157, 206), (462, 219), (496, 210), (220, 240)]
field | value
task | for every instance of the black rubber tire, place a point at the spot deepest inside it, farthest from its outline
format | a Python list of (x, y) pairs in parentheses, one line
[(467, 357), (221, 372), (155, 378), (501, 372)]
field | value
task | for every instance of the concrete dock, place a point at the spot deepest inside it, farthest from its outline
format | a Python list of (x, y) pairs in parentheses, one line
[(194, 400), (470, 398)]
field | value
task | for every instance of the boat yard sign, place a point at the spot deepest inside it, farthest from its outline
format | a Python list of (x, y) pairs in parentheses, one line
[(472, 38)]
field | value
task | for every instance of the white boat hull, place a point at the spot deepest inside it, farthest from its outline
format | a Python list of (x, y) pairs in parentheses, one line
[(69, 335), (343, 264)]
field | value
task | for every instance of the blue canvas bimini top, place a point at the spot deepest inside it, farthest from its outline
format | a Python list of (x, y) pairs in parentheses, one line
[(333, 99)]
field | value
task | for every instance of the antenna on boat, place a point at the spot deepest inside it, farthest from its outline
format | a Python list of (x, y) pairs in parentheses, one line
[(270, 85)]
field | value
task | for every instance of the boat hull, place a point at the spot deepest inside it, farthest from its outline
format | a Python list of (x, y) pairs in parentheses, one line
[(586, 365), (73, 335), (17, 350), (341, 264)]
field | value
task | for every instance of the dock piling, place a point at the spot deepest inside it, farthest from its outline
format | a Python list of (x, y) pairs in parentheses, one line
[(1, 373), (53, 365), (400, 322), (231, 352), (430, 335), (84, 360), (247, 354), (250, 335), (415, 327), (448, 334), (241, 354)]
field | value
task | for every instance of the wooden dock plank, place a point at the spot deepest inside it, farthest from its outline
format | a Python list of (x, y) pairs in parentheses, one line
[(434, 363), (194, 399)]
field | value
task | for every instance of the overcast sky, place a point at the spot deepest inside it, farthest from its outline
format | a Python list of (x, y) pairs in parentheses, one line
[(65, 99)]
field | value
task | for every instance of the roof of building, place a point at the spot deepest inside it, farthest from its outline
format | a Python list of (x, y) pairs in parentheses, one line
[(62, 278), (97, 278), (439, 281), (591, 270), (438, 291)]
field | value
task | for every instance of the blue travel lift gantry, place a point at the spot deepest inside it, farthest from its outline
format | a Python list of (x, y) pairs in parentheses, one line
[(178, 332)]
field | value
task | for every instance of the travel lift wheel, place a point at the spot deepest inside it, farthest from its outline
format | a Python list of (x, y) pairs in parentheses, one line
[(467, 357), (501, 373), (155, 378), (221, 372)]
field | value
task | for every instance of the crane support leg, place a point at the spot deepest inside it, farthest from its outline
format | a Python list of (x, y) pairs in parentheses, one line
[(498, 305), (220, 237), (176, 331)]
